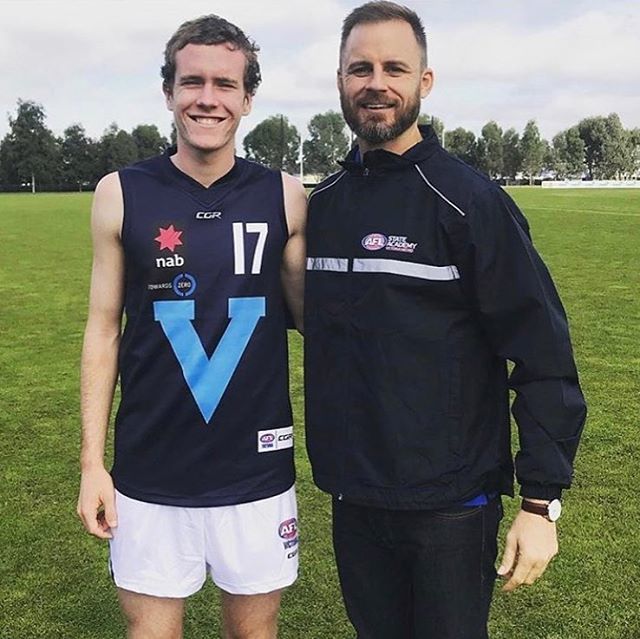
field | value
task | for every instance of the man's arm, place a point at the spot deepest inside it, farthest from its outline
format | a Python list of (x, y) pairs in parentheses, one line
[(523, 318), (99, 367), (294, 256)]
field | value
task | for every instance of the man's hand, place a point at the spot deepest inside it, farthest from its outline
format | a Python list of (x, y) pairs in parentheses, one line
[(97, 503), (531, 544)]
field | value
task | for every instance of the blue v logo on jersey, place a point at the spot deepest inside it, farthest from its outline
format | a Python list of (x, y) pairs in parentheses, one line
[(208, 378)]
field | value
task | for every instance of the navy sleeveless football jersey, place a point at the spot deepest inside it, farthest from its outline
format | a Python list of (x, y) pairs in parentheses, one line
[(205, 417)]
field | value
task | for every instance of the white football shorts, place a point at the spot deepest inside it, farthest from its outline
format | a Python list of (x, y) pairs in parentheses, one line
[(166, 551)]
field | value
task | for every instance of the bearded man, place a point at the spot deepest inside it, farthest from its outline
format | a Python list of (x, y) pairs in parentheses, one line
[(421, 283)]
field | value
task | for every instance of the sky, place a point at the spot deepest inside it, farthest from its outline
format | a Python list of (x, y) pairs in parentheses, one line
[(97, 62)]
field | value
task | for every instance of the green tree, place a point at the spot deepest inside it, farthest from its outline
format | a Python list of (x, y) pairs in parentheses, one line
[(78, 157), (148, 141), (617, 161), (547, 156), (558, 154), (511, 156), (30, 151), (492, 161), (593, 132), (532, 148), (462, 144), (608, 147), (327, 143), (568, 154), (117, 149), (634, 142), (274, 142), (574, 153)]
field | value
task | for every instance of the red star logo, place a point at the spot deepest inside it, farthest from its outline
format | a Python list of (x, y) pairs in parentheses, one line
[(169, 238)]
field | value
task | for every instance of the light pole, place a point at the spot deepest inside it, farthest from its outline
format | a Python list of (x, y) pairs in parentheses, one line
[(301, 157)]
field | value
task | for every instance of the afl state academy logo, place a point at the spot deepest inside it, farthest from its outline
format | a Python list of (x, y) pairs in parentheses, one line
[(374, 241), (288, 529)]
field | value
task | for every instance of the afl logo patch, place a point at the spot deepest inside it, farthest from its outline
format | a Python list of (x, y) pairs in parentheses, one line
[(288, 529), (267, 438), (374, 241)]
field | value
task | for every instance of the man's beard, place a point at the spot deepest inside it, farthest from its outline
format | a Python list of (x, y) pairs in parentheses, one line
[(377, 132)]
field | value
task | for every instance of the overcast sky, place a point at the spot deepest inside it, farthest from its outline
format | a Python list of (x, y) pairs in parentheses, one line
[(98, 62)]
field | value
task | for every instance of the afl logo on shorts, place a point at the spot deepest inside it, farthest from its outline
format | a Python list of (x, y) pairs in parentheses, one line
[(374, 241), (288, 529)]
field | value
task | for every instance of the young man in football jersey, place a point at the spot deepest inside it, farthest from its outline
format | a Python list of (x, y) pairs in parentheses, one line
[(422, 282), (202, 251)]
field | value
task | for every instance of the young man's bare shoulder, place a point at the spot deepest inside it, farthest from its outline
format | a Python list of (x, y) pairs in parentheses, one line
[(295, 202), (292, 184), (108, 205), (109, 186)]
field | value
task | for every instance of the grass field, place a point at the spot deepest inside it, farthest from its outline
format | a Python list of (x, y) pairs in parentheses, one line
[(53, 577)]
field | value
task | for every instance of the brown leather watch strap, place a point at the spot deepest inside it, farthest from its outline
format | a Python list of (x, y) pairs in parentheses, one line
[(536, 509)]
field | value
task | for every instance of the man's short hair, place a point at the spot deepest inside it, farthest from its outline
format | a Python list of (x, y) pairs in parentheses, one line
[(383, 11), (212, 29)]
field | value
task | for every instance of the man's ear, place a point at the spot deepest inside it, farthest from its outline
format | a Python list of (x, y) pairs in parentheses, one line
[(426, 82)]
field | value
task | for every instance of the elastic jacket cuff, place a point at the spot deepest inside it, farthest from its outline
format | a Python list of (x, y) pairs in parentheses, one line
[(541, 491)]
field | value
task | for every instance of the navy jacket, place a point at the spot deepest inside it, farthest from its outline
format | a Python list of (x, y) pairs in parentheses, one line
[(422, 282)]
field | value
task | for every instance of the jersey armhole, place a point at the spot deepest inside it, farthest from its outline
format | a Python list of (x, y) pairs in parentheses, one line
[(283, 212), (127, 203)]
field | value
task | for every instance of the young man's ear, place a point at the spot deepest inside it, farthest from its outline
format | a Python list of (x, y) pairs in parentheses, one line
[(248, 103)]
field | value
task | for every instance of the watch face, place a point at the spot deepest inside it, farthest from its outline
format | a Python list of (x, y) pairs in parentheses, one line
[(554, 509)]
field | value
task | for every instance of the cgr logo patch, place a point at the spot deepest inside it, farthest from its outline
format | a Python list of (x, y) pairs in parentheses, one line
[(374, 241), (275, 439), (208, 215)]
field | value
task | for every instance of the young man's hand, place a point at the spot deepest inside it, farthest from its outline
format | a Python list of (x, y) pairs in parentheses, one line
[(97, 503)]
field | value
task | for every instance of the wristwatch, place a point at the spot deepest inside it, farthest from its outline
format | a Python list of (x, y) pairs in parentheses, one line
[(550, 511)]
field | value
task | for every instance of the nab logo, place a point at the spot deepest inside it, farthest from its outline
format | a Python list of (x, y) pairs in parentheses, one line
[(288, 529), (208, 215), (374, 241), (169, 262)]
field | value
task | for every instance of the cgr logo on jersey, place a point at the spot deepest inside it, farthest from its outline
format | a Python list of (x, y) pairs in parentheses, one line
[(288, 529), (374, 241), (208, 215), (168, 239)]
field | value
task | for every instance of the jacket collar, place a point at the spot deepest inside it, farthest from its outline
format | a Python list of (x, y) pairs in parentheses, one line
[(380, 161)]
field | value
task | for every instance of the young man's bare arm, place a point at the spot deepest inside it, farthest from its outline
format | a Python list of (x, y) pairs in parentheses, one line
[(295, 253), (99, 368)]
